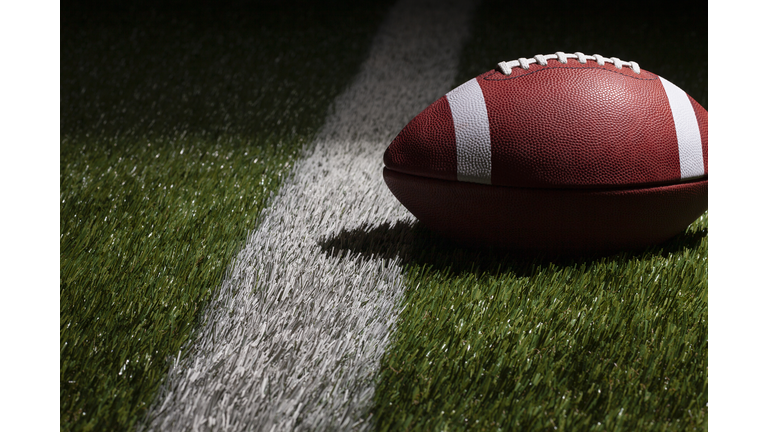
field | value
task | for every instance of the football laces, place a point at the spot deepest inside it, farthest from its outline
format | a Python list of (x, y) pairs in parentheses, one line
[(522, 62)]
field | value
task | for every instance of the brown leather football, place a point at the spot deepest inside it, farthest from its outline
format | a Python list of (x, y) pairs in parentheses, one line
[(559, 152)]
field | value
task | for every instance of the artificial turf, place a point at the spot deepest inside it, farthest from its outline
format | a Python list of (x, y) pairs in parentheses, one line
[(169, 118), (178, 122), (494, 342), (490, 341)]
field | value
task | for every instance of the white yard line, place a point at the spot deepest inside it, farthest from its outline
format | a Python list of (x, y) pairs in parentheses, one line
[(294, 338)]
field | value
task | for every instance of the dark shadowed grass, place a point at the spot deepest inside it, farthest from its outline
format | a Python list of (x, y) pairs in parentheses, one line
[(490, 341), (177, 124), (593, 343)]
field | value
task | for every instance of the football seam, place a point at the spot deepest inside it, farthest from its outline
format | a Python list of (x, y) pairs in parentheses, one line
[(548, 68), (596, 188)]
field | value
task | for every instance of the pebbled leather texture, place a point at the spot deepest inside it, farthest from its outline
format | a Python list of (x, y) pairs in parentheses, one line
[(567, 125), (423, 147), (553, 220)]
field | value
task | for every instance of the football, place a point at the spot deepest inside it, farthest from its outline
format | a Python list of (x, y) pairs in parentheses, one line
[(560, 152)]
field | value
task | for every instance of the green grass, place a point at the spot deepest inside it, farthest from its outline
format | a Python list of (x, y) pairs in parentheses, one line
[(175, 129), (490, 341)]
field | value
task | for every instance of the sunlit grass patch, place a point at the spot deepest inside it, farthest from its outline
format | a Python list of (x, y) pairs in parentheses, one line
[(146, 234)]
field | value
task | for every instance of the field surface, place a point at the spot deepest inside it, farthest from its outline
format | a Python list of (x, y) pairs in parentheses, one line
[(231, 259), (176, 127)]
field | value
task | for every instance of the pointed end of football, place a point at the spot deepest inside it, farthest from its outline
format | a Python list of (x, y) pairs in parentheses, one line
[(426, 147)]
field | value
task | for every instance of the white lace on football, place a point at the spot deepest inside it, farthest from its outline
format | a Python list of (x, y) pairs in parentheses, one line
[(506, 67)]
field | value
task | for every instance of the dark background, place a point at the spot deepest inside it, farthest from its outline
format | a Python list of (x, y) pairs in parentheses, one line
[(667, 38)]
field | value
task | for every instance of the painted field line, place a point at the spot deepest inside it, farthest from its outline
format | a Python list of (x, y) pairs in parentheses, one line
[(294, 338)]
